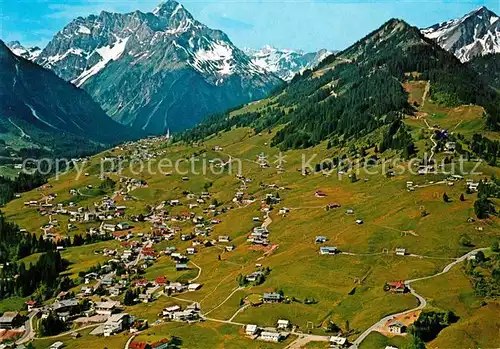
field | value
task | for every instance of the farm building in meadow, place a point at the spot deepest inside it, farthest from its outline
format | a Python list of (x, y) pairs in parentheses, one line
[(397, 327), (272, 298), (396, 286), (400, 251), (326, 250), (320, 239), (282, 324), (338, 342), (251, 330)]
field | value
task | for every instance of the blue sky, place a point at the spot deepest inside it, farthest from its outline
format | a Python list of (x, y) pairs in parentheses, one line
[(296, 24)]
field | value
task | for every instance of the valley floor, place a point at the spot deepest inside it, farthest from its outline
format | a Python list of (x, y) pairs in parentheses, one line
[(346, 288)]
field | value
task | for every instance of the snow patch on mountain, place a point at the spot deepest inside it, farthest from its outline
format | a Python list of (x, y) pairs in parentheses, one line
[(183, 27), (58, 57), (83, 30), (177, 8), (108, 53), (219, 53)]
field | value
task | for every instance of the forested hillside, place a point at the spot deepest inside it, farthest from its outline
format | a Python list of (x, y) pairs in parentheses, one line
[(488, 67), (360, 89)]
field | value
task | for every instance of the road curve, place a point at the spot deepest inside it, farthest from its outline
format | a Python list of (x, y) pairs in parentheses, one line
[(421, 300), (199, 272), (433, 149), (29, 332), (127, 345)]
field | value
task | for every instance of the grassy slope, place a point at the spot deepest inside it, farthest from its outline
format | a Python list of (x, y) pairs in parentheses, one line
[(479, 324), (297, 268)]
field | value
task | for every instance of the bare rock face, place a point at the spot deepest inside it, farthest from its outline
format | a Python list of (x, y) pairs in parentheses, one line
[(475, 34)]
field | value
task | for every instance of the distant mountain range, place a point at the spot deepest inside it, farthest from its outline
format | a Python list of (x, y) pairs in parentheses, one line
[(475, 34), (40, 110), (285, 63), (156, 70), (30, 53), (164, 69)]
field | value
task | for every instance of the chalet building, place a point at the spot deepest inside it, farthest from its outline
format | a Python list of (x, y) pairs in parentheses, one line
[(400, 251), (282, 324), (105, 308), (272, 298), (181, 266), (320, 239), (10, 320), (327, 250), (251, 330), (338, 342), (65, 308), (116, 323), (175, 287), (397, 327), (396, 286), (31, 304), (161, 281), (270, 336), (139, 345)]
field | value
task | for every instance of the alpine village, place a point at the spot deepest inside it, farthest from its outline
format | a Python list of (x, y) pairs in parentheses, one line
[(221, 197)]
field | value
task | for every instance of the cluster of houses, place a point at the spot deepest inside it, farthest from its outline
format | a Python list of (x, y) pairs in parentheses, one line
[(176, 313), (325, 250), (259, 236), (107, 313), (450, 181), (282, 328)]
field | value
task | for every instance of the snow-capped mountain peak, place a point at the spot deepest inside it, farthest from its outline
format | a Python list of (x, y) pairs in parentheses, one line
[(170, 9), (285, 62), (475, 34), (30, 53), (152, 69)]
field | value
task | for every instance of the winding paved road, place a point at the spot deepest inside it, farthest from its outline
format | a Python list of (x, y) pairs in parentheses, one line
[(29, 332), (422, 301), (433, 149)]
